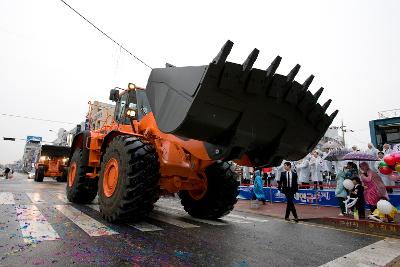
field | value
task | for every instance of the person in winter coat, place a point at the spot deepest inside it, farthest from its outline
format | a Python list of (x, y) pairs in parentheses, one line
[(315, 169), (351, 170), (246, 175), (373, 151), (277, 171), (386, 149), (340, 192), (258, 190), (374, 186), (303, 171), (7, 172), (358, 192)]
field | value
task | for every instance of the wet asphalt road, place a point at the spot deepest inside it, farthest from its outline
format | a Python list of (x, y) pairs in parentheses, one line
[(240, 240)]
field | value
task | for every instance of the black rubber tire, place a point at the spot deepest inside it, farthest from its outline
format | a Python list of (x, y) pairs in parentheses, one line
[(63, 177), (36, 175), (40, 174), (138, 187), (83, 189), (221, 195), (65, 174)]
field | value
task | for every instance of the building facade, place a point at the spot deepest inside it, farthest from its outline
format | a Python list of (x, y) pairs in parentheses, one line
[(100, 114), (31, 152)]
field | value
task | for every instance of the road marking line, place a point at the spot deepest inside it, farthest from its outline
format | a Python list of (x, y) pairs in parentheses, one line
[(33, 225), (228, 219), (6, 198), (184, 215), (169, 207), (381, 253), (35, 197), (94, 207), (86, 223), (246, 218), (210, 222), (238, 219), (141, 226), (167, 219), (61, 197), (145, 227)]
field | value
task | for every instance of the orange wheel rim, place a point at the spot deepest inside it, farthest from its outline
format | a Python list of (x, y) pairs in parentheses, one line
[(198, 194), (72, 174), (110, 178)]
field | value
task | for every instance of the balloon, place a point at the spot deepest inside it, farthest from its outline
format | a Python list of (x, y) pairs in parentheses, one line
[(397, 167), (389, 159), (348, 184), (382, 164), (385, 170), (394, 177), (397, 157), (384, 206)]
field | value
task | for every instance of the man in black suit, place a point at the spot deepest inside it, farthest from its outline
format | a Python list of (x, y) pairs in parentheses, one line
[(288, 185)]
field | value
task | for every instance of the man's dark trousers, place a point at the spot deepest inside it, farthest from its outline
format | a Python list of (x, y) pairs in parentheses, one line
[(290, 206)]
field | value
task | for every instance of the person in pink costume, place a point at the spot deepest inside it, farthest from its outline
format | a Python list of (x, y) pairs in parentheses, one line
[(374, 186)]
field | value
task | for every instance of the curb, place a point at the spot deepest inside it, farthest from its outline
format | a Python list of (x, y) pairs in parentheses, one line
[(394, 263)]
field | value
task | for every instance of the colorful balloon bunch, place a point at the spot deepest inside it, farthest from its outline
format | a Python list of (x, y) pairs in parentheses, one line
[(391, 166)]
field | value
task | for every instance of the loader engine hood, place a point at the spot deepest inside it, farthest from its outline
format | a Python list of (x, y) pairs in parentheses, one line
[(239, 111)]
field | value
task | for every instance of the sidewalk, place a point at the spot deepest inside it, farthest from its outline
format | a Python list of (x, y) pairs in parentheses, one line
[(305, 212), (325, 216)]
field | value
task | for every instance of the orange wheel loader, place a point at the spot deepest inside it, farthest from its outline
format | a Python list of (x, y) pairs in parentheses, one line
[(180, 134), (52, 162)]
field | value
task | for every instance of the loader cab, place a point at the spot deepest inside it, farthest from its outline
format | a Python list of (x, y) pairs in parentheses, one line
[(130, 104)]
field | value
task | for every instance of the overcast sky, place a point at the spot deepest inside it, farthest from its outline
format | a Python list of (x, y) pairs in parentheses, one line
[(52, 62)]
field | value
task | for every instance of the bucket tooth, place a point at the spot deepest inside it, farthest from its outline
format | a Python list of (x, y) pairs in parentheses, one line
[(248, 64), (318, 93), (326, 105), (292, 74), (274, 66), (307, 82), (333, 115), (223, 54)]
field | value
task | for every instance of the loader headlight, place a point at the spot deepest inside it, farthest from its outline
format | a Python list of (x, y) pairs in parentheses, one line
[(43, 158), (64, 160), (131, 113)]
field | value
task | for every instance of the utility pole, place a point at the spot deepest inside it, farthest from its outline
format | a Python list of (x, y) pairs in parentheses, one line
[(342, 127)]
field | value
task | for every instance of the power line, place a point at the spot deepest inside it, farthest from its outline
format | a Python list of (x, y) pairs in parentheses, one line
[(106, 35), (37, 119)]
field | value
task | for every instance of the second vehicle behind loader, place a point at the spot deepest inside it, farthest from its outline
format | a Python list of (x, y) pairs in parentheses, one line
[(180, 134), (52, 162)]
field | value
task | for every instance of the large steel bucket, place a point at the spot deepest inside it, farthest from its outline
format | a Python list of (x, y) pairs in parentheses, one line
[(239, 109)]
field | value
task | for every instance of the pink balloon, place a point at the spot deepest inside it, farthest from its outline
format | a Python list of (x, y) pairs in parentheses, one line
[(394, 176)]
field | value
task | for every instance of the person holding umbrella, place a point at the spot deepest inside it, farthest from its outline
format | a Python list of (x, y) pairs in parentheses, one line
[(374, 186), (340, 192)]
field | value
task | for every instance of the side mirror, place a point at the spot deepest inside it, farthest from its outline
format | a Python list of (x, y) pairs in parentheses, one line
[(114, 95)]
